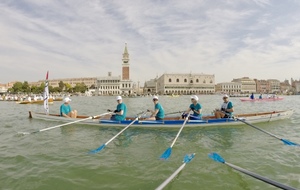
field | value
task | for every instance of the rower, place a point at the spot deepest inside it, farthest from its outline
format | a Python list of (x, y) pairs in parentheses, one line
[(158, 113), (65, 109), (252, 96), (195, 107), (226, 109), (121, 110)]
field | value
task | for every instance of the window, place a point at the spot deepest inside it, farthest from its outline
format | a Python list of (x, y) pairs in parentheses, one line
[(185, 80), (197, 80), (211, 81), (170, 80), (177, 80), (204, 81), (191, 81)]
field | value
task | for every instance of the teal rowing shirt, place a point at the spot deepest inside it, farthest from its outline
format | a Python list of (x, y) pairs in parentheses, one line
[(228, 105), (161, 112), (120, 107), (65, 109), (196, 107)]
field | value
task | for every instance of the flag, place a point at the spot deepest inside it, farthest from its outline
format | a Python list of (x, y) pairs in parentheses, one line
[(46, 95)]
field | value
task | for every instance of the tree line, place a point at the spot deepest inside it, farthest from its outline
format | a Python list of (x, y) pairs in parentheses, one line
[(24, 87)]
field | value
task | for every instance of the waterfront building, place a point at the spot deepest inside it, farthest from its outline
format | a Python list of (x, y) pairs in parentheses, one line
[(150, 86), (186, 84), (295, 86), (262, 86), (248, 85), (285, 86), (274, 85), (4, 87), (116, 85), (229, 87), (88, 81), (109, 85)]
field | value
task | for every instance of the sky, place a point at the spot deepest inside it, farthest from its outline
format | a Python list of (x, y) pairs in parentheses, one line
[(79, 38)]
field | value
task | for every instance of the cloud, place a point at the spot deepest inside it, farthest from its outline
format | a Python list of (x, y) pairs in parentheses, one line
[(230, 39)]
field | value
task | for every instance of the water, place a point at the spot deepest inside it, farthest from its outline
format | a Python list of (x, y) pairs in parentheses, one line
[(58, 159)]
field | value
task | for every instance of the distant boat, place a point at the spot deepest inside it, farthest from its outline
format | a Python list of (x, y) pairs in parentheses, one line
[(173, 96), (261, 100), (35, 102)]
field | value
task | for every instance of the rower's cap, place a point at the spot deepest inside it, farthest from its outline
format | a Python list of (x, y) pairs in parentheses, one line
[(155, 97), (119, 98), (225, 96), (195, 97), (67, 99)]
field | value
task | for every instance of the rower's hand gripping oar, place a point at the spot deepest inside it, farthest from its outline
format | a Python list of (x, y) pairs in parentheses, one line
[(285, 141), (168, 152), (187, 158), (216, 157), (104, 145), (46, 129)]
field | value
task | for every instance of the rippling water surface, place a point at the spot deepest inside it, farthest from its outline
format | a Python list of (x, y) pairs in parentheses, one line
[(58, 159)]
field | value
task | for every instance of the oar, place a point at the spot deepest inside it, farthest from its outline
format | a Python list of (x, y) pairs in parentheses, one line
[(104, 145), (171, 113), (216, 157), (46, 129), (285, 141), (187, 158), (168, 152)]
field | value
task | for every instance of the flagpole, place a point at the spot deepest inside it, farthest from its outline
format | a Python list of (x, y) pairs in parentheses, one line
[(46, 95)]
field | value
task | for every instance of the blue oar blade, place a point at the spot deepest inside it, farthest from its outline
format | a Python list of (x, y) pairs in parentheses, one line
[(216, 157), (98, 149), (166, 154), (187, 158), (287, 142)]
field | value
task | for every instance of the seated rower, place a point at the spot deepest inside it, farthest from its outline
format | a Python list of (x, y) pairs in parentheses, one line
[(252, 96), (158, 113), (260, 96), (226, 109), (196, 108), (121, 110), (65, 109)]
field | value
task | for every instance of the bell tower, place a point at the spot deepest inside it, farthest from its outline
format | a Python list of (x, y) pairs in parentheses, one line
[(125, 83), (125, 64)]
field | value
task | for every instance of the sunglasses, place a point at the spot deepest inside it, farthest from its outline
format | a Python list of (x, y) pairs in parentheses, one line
[(155, 99)]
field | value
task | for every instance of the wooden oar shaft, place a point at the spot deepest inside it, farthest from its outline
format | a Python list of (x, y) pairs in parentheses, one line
[(91, 117), (258, 128), (122, 131), (167, 181), (46, 129), (187, 117), (259, 177)]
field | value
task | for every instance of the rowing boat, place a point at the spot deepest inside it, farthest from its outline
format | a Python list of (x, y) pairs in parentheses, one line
[(173, 122), (50, 101), (261, 100)]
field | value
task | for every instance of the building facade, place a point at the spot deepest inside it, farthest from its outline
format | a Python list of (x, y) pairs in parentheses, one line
[(150, 87), (285, 87), (229, 87), (248, 85), (274, 85), (186, 84), (262, 86), (109, 85), (88, 81)]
